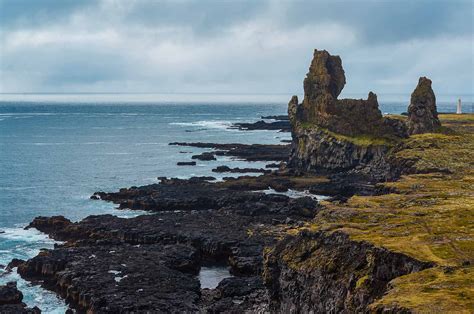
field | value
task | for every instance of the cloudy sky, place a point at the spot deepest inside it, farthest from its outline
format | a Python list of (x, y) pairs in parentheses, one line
[(232, 46)]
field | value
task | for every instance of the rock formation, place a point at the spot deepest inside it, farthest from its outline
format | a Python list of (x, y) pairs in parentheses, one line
[(352, 117), (318, 272), (422, 114), (11, 300), (333, 134)]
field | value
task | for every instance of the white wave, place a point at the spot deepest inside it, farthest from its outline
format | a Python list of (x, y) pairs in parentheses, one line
[(34, 295), (28, 114), (211, 124), (152, 143), (116, 154), (30, 236), (295, 194)]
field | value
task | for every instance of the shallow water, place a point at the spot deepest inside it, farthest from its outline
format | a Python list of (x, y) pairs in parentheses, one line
[(210, 277)]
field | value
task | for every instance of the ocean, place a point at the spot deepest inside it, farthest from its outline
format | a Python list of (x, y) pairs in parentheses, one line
[(55, 154)]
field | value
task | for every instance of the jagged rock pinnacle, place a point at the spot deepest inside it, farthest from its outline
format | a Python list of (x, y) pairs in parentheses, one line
[(422, 113)]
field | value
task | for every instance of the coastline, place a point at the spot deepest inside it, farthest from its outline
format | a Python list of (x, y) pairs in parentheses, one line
[(262, 228)]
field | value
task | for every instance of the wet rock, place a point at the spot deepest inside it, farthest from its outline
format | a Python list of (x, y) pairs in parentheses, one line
[(120, 278), (106, 262), (9, 294), (239, 170), (277, 117), (422, 113), (49, 224), (204, 156), (186, 163), (199, 195), (282, 126), (11, 300), (236, 295), (252, 152), (272, 165)]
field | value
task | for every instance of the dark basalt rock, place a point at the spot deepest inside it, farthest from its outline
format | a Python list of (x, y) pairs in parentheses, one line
[(277, 117), (422, 113), (11, 300), (49, 224), (323, 83), (239, 170), (200, 195), (328, 273), (186, 163), (332, 135), (150, 262), (9, 294), (282, 126), (111, 278), (236, 295), (272, 165), (204, 156), (252, 152)]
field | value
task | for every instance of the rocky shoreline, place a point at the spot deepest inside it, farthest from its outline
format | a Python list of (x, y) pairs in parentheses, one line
[(349, 253)]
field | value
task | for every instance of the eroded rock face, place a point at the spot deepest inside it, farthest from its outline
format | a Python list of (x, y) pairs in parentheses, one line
[(338, 135), (422, 113), (322, 85), (328, 273)]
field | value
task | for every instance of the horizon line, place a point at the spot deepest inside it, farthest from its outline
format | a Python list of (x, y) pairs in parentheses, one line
[(195, 93)]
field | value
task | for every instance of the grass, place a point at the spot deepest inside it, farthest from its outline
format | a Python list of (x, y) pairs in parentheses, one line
[(434, 290), (428, 216), (360, 140)]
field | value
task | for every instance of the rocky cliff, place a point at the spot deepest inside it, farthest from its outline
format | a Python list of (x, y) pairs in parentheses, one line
[(328, 273), (406, 250), (340, 135)]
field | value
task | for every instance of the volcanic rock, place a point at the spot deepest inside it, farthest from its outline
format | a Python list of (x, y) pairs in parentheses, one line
[(204, 156), (239, 170), (11, 300), (422, 113), (338, 135), (186, 163)]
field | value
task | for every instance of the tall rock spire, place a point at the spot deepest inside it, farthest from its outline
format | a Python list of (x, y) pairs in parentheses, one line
[(422, 113)]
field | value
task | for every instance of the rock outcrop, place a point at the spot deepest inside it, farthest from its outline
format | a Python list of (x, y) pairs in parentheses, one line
[(352, 117), (422, 113), (338, 135), (329, 273), (350, 135), (11, 300)]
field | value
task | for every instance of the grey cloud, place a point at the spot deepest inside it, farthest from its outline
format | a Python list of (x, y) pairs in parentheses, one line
[(232, 46)]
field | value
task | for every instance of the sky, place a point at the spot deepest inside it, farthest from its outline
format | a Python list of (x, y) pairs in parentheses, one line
[(237, 47)]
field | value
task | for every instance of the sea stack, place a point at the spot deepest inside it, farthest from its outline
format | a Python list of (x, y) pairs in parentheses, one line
[(337, 134), (422, 113), (322, 85)]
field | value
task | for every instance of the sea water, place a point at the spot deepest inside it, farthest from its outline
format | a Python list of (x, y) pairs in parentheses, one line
[(54, 155)]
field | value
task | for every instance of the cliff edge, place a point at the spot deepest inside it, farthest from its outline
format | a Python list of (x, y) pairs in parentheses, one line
[(350, 135)]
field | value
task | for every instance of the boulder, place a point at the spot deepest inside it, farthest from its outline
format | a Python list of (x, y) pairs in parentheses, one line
[(422, 113), (9, 294)]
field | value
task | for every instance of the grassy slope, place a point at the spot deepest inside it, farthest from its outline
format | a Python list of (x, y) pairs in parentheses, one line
[(427, 216)]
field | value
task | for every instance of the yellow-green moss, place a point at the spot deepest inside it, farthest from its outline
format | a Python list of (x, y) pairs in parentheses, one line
[(359, 140), (435, 290), (427, 216), (361, 281)]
